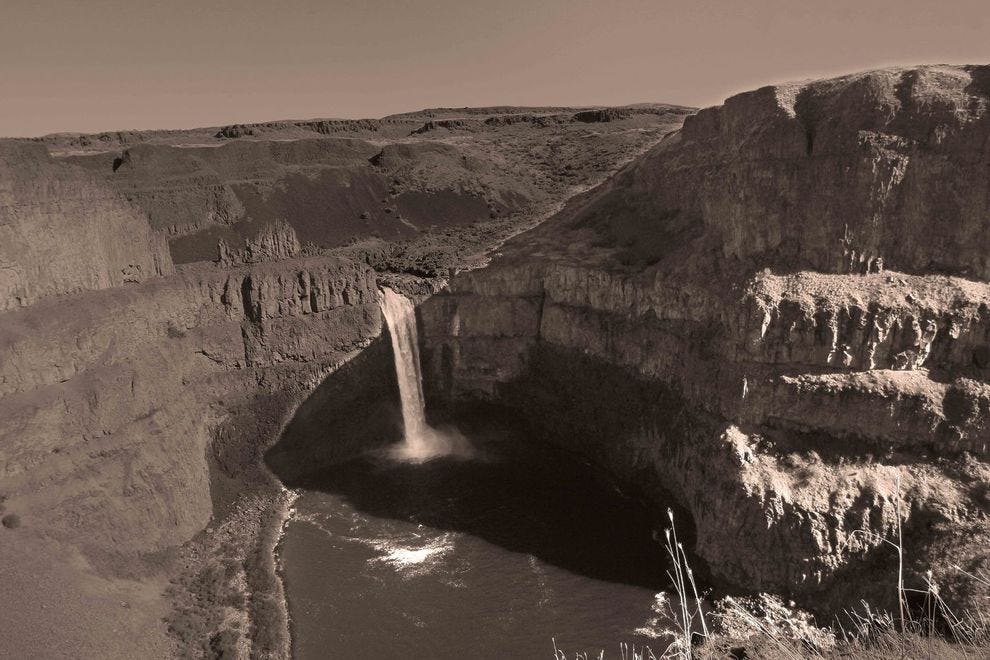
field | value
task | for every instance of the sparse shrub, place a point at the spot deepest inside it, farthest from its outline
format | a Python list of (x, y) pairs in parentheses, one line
[(689, 615), (198, 615), (764, 627), (11, 521), (223, 645), (184, 624), (265, 606), (174, 331), (266, 625)]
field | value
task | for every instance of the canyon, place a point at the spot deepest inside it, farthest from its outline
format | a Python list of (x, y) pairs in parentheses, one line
[(774, 311), (167, 318)]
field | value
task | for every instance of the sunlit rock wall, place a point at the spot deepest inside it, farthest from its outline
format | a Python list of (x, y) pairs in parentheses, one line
[(63, 230)]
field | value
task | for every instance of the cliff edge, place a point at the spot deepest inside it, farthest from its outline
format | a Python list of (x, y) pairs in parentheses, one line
[(879, 170), (780, 315), (63, 230)]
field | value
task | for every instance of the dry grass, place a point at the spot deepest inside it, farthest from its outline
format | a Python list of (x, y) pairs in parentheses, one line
[(763, 627)]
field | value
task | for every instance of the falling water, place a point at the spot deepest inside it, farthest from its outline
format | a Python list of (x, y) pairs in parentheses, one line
[(422, 442)]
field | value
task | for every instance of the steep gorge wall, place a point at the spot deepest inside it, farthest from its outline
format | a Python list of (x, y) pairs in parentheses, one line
[(777, 463), (797, 412), (63, 230), (111, 400)]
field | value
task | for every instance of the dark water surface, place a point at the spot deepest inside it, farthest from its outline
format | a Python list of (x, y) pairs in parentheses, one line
[(487, 557)]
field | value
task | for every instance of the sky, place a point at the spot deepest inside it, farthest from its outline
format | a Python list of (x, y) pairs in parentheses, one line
[(95, 65)]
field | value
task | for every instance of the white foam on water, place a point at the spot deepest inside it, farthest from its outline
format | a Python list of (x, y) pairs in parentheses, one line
[(312, 519), (407, 556), (546, 593), (418, 557), (658, 625)]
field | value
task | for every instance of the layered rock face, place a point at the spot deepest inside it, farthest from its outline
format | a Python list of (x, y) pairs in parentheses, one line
[(273, 243), (63, 230), (134, 418), (780, 315), (112, 400), (711, 322)]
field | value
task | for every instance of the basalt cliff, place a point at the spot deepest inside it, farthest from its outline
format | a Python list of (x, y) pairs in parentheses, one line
[(776, 314), (779, 315)]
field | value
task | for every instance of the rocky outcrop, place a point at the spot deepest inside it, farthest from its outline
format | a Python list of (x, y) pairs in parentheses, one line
[(63, 230), (541, 120), (334, 126), (604, 115), (716, 322), (600, 116), (318, 126), (758, 178), (274, 242), (234, 131), (448, 124)]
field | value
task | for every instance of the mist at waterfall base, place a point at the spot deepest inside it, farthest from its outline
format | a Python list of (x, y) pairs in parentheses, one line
[(448, 548), (421, 442)]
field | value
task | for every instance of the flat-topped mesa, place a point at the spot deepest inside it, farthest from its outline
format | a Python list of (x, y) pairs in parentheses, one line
[(884, 169), (63, 230)]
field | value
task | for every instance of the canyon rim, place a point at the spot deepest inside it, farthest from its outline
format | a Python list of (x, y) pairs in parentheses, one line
[(442, 383)]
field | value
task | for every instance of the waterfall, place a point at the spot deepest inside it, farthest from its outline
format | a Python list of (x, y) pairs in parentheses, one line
[(421, 441)]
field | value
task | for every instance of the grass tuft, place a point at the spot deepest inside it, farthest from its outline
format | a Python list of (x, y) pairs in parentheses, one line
[(764, 627)]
